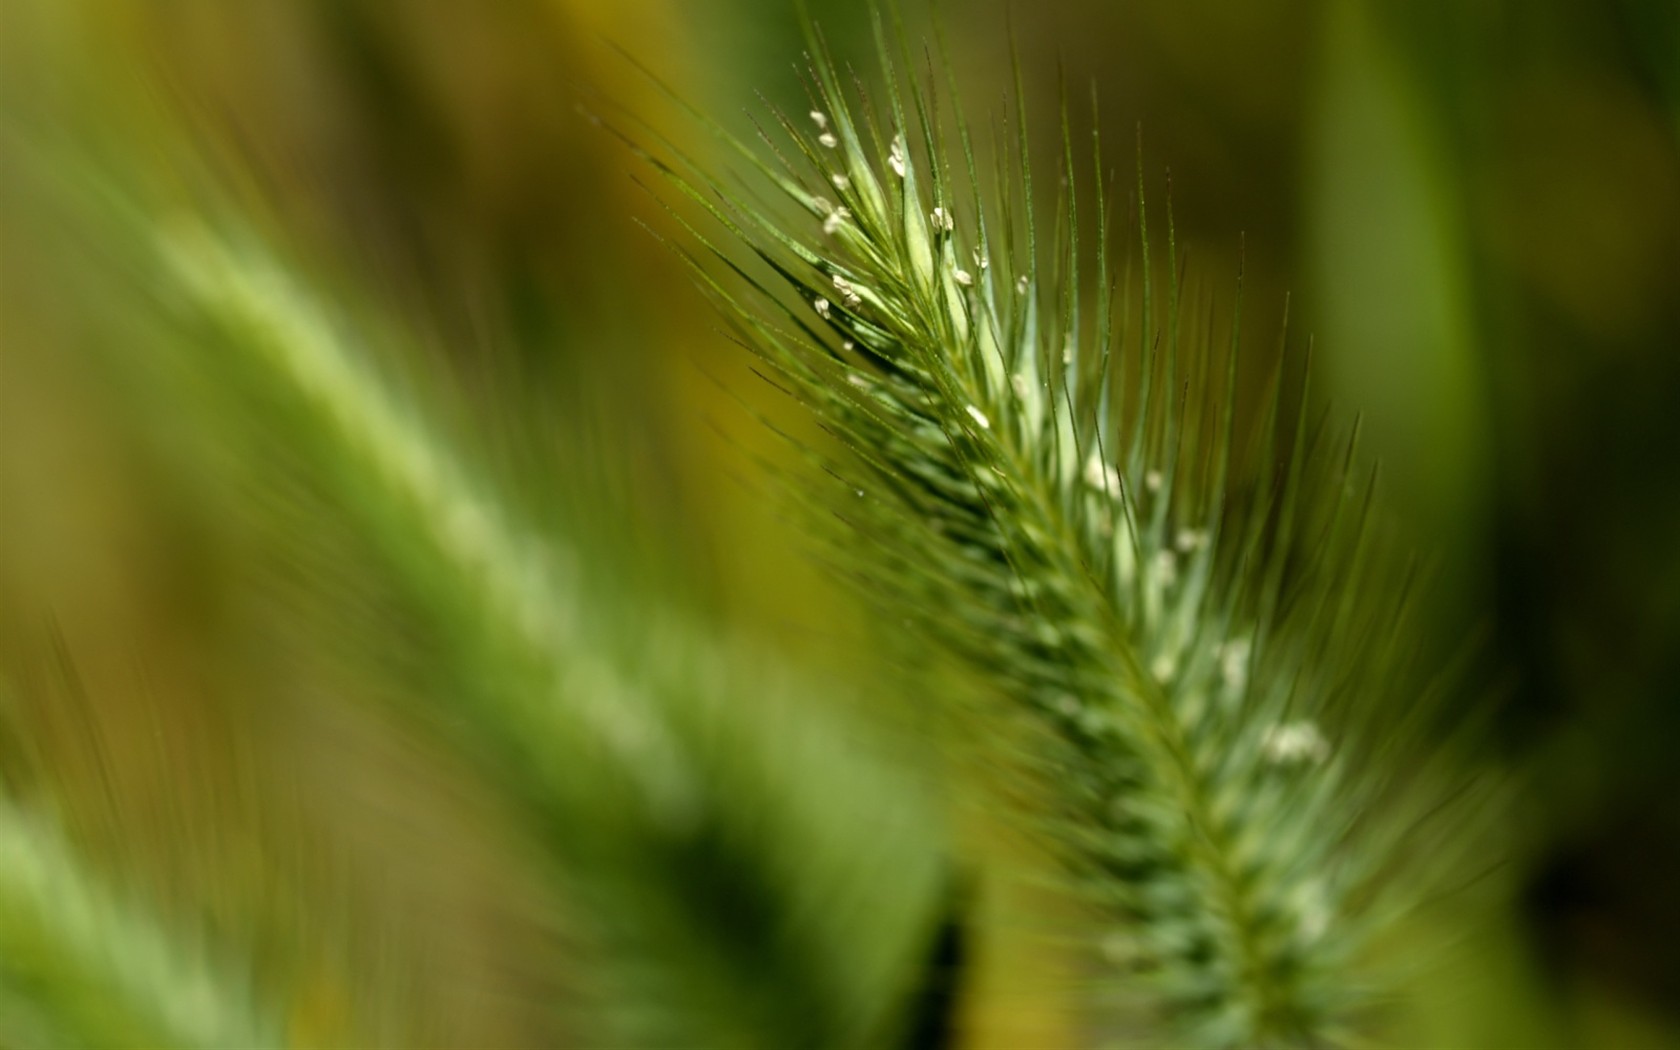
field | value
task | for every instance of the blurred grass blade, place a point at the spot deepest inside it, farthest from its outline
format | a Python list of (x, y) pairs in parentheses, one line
[(80, 966)]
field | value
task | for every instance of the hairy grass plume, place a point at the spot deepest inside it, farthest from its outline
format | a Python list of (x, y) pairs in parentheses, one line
[(1035, 464)]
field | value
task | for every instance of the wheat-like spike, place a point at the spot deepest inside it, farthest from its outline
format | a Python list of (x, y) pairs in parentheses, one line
[(1215, 662)]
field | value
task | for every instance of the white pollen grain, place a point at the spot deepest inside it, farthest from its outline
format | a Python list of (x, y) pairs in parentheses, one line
[(1102, 477), (895, 157), (847, 290), (1293, 742)]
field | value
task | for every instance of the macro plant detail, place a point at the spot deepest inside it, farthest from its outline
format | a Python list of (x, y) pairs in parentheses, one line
[(1040, 472), (502, 544)]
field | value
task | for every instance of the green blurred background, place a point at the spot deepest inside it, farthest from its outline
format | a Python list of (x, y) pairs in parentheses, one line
[(1470, 207)]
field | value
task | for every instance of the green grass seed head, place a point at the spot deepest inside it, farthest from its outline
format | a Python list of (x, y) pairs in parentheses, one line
[(1216, 647)]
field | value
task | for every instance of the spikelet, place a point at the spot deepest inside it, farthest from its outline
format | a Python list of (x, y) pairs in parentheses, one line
[(1049, 488)]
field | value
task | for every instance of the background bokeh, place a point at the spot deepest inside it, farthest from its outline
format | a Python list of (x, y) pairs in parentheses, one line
[(1471, 210)]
